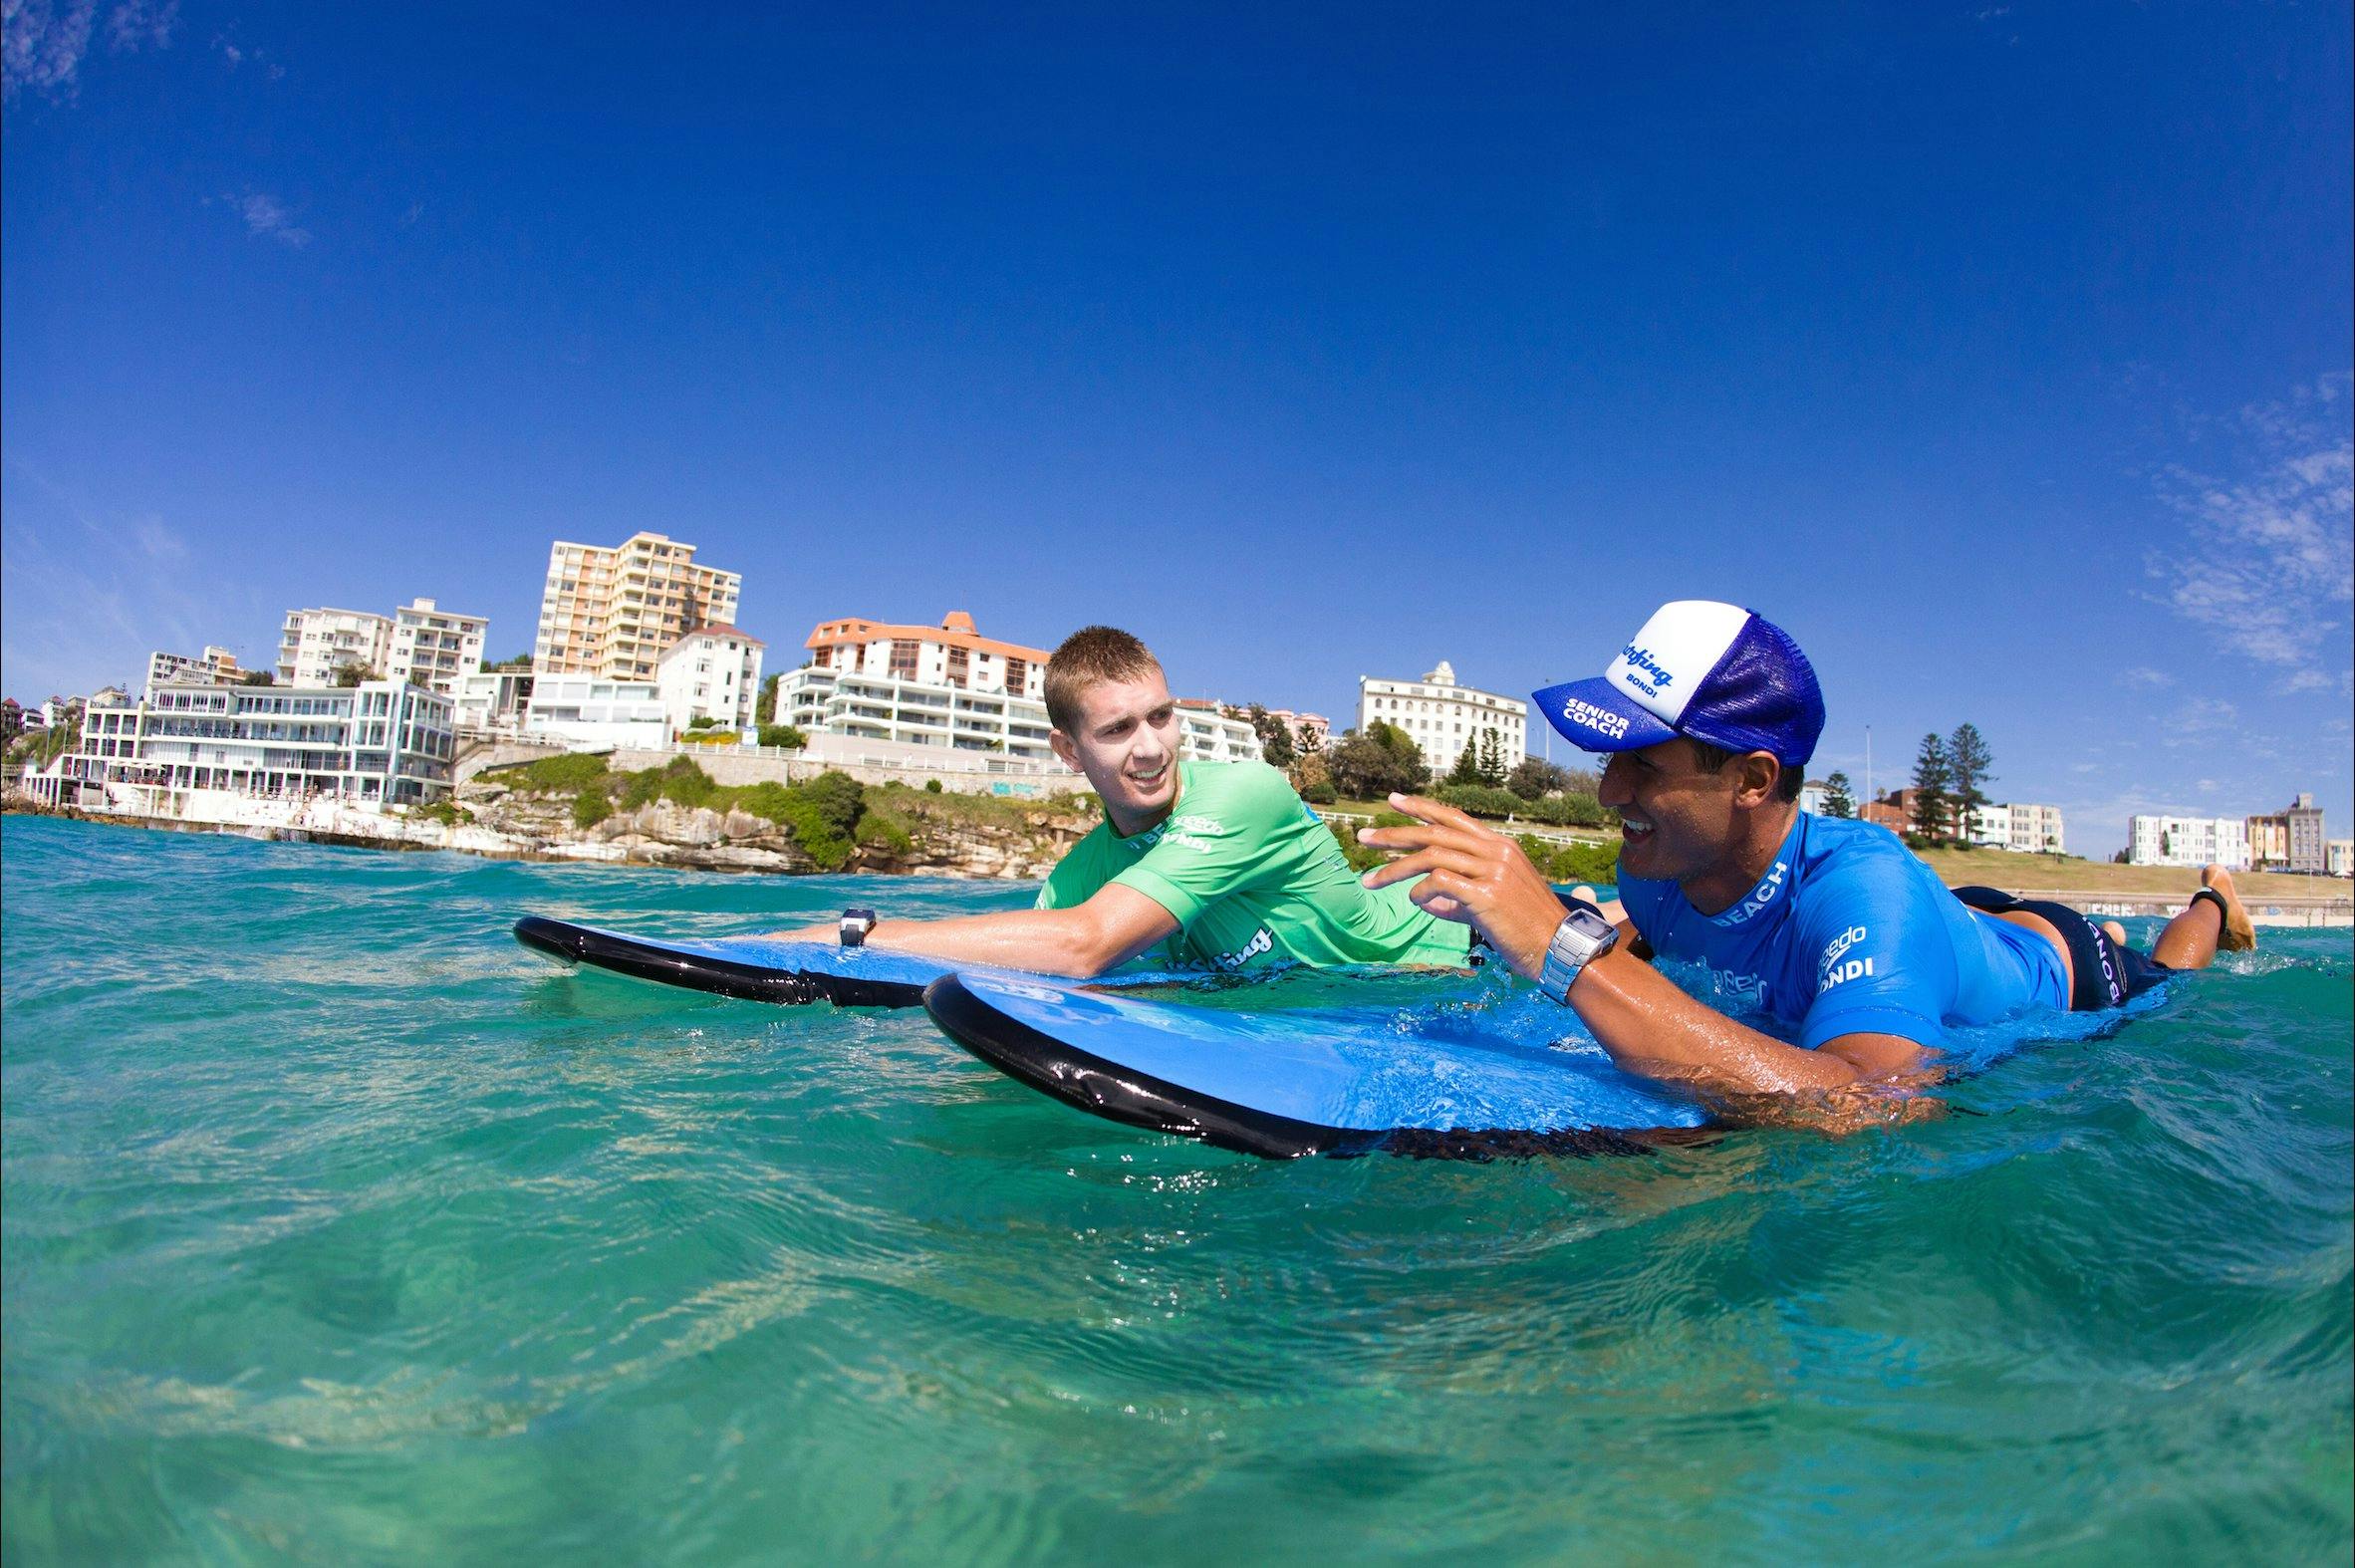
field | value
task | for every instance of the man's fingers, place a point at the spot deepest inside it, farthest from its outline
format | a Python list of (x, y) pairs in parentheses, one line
[(1424, 836), (1424, 862), (1442, 893), (1429, 810)]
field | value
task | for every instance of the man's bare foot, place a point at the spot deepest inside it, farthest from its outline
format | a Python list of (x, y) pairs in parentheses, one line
[(2240, 933)]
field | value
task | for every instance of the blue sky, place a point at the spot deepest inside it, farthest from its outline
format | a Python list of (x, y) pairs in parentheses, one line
[(2000, 353)]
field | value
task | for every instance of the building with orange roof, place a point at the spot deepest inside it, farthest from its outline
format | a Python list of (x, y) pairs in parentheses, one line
[(946, 686)]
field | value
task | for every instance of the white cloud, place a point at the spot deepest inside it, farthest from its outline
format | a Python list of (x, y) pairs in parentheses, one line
[(2145, 675), (134, 24), (266, 215), (2203, 721), (2267, 561), (42, 43)]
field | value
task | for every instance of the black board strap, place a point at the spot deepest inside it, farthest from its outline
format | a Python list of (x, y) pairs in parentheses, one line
[(721, 976)]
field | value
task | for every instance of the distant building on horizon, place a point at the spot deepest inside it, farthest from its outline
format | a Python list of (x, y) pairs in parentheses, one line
[(712, 673), (948, 688), (494, 699), (381, 740), (315, 643), (614, 612), (2338, 858), (2156, 839), (2290, 839), (1310, 731), (1440, 716), (588, 713), (216, 667), (1208, 733), (435, 648)]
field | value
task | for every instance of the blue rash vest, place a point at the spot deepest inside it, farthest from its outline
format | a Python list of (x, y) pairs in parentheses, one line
[(1849, 933)]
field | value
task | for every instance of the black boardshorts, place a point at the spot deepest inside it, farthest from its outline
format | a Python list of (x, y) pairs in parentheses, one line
[(2107, 974)]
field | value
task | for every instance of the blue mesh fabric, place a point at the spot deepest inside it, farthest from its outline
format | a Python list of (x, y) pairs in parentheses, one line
[(1761, 696)]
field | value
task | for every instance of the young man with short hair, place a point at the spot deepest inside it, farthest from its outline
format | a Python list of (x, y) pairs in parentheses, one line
[(1827, 926), (1200, 865)]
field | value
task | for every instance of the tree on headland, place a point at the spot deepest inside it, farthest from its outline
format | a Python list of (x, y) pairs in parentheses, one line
[(1534, 778), (1491, 758), (1839, 799), (1933, 774), (1312, 740), (519, 662), (351, 674), (257, 677), (1972, 765), (1373, 762), (765, 706), (1468, 766), (1275, 737)]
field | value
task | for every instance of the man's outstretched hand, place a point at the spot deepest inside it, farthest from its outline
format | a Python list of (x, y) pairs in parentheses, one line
[(1471, 874)]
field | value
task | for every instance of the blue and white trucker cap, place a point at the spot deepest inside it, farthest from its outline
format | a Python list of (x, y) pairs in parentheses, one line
[(1707, 671)]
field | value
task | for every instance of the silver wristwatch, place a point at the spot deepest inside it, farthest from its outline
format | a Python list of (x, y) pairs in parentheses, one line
[(1582, 937)]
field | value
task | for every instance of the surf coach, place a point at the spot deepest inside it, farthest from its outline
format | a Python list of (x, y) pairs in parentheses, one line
[(1829, 927)]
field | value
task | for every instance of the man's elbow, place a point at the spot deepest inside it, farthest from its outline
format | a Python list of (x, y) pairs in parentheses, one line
[(1088, 951)]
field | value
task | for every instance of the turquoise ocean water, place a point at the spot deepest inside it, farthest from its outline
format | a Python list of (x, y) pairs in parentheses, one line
[(338, 1228)]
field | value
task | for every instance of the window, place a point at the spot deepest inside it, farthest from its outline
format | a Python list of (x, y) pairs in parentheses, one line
[(903, 658)]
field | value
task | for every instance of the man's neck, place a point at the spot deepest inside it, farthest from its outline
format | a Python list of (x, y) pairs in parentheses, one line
[(1721, 886)]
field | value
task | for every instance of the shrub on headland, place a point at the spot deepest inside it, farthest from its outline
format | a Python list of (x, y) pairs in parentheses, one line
[(823, 815), (1566, 863), (1574, 810), (556, 775), (1482, 800)]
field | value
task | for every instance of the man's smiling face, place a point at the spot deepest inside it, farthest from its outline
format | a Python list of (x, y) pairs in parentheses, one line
[(1677, 821), (1127, 744)]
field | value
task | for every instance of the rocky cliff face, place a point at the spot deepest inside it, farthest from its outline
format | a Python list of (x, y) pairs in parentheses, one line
[(663, 833)]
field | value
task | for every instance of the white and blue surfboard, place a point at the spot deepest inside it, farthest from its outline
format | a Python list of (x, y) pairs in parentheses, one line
[(1329, 1081)]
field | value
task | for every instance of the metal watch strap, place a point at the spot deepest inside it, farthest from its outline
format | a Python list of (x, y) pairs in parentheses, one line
[(1583, 937)]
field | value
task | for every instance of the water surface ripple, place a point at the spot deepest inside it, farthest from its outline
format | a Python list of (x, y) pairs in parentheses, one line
[(339, 1228)]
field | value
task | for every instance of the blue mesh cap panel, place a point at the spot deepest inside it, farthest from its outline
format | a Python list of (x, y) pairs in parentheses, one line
[(1761, 696)]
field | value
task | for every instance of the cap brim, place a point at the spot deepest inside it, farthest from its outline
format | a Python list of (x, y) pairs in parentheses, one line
[(1596, 716)]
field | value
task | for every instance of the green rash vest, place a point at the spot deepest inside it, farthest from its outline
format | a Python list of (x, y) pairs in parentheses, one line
[(1252, 877)]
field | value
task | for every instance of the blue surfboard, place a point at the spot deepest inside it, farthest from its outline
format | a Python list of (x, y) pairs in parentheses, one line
[(767, 969), (1327, 1081)]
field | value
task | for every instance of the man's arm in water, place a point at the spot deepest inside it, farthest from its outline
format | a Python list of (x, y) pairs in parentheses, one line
[(1112, 927), (1481, 879)]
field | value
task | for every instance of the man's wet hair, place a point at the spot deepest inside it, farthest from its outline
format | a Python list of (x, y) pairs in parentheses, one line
[(1089, 656), (1712, 759)]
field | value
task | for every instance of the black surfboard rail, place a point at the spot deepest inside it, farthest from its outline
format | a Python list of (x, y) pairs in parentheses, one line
[(1122, 1094), (720, 977)]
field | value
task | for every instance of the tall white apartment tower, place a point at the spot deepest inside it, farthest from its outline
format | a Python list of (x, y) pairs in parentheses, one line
[(315, 643), (432, 647), (614, 612)]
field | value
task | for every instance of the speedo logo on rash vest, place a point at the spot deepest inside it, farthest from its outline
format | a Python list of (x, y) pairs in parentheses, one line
[(1835, 967), (1188, 832)]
